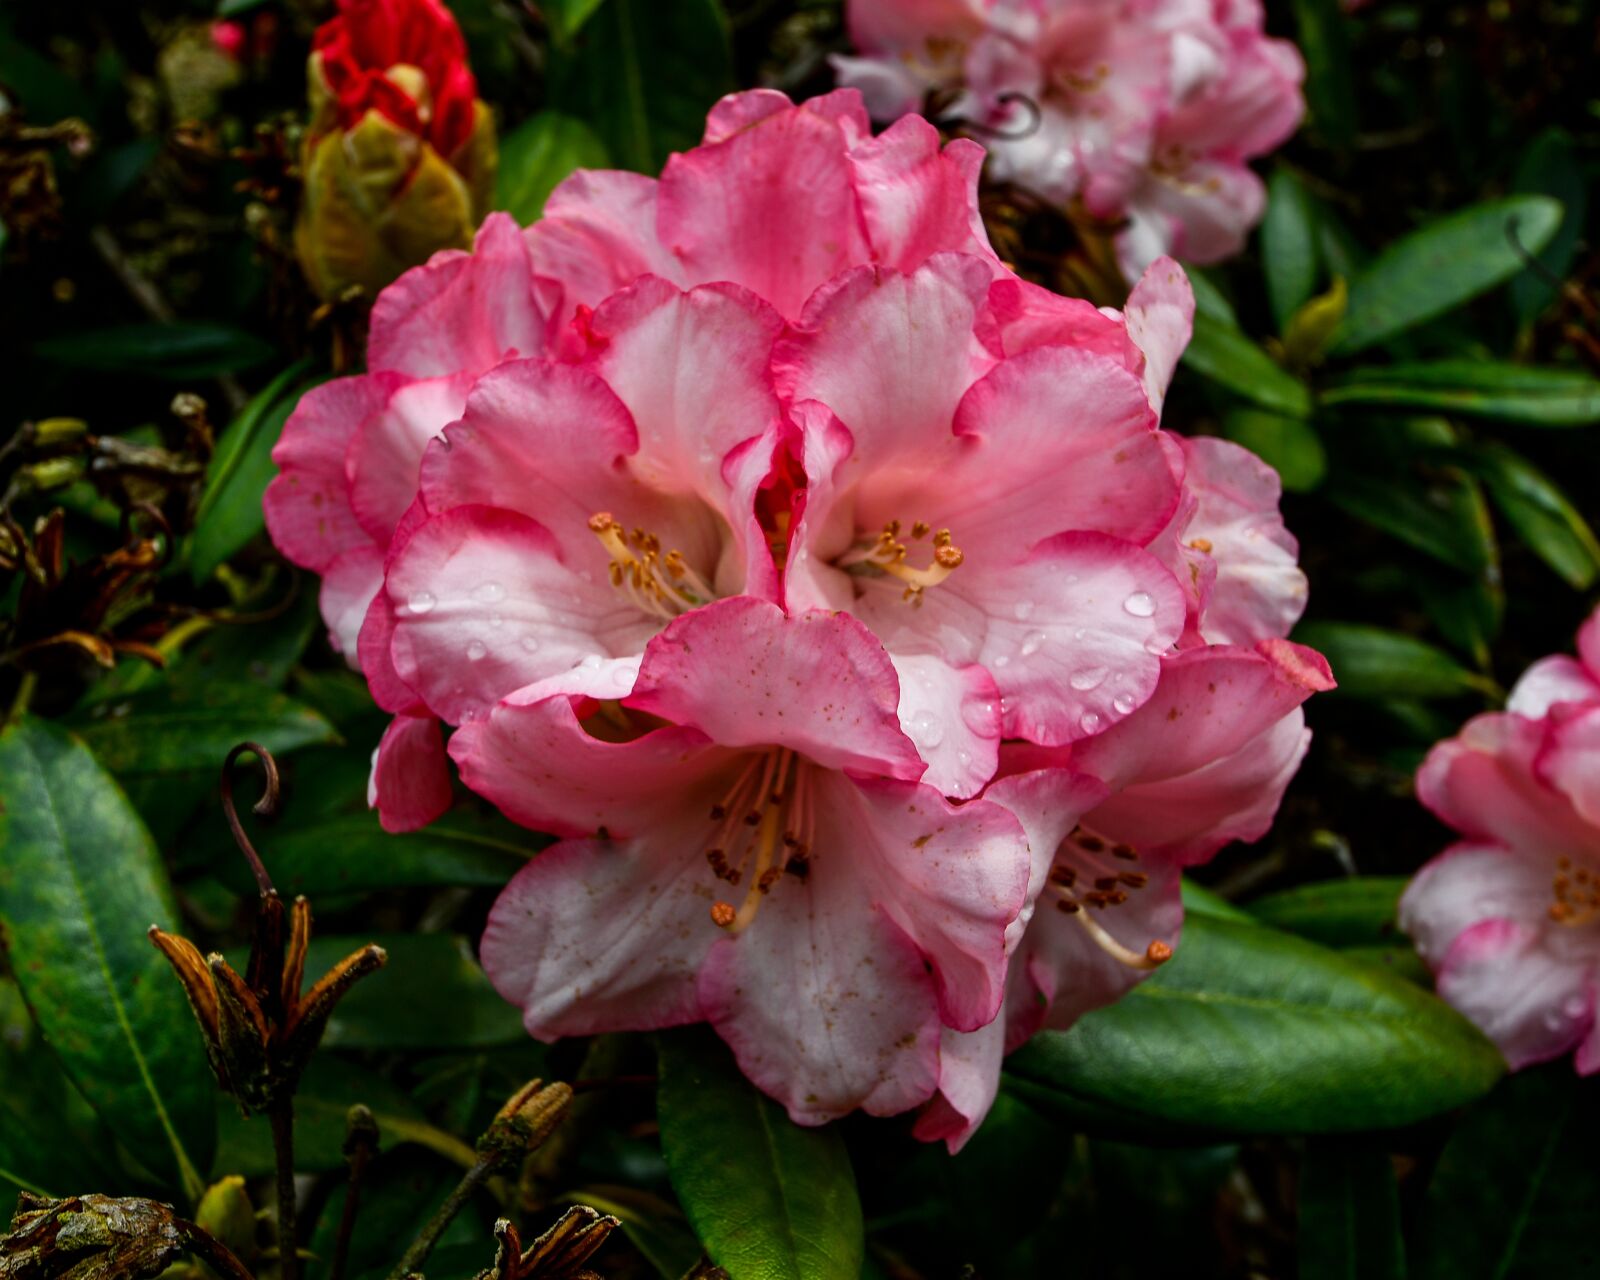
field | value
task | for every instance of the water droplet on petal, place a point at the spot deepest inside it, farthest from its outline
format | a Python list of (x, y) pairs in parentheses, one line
[(1000, 660), (1079, 634), (1024, 609), (926, 729), (1155, 646), (1032, 643), (421, 602), (1088, 678), (979, 716), (495, 620), (529, 643), (489, 592), (1575, 1007), (592, 662), (1141, 604), (1124, 703), (964, 757), (1090, 721), (476, 650)]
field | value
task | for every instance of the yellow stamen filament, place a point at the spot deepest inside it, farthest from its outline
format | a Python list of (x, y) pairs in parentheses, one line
[(1576, 891), (662, 585), (1080, 858), (888, 555), (766, 818)]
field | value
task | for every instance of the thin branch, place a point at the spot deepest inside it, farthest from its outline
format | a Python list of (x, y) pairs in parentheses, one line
[(282, 1115), (422, 1246)]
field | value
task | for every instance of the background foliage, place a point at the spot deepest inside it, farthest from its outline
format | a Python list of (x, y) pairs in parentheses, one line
[(1412, 341)]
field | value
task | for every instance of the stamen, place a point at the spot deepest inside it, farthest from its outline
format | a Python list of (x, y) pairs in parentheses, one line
[(661, 585), (1576, 894), (1155, 955), (766, 820), (888, 555)]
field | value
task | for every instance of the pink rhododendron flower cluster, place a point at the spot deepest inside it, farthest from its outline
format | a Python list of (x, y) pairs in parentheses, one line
[(1509, 917), (1139, 110), (833, 594)]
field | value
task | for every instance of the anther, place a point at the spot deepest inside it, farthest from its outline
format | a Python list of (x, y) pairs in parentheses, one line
[(1125, 851), (1107, 882), (722, 914), (1134, 879), (1200, 544)]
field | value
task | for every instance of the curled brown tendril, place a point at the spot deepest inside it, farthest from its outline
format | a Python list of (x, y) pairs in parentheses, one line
[(1000, 134), (264, 807)]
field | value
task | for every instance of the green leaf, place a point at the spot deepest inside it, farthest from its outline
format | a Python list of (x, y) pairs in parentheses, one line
[(1467, 610), (1289, 254), (566, 17), (230, 514), (1232, 360), (49, 1140), (1550, 167), (1197, 898), (1250, 1031), (1438, 509), (644, 75), (1330, 82), (174, 729), (1349, 1213), (1369, 662), (1541, 513), (431, 995), (654, 1227), (1513, 1196), (327, 1091), (177, 352), (1289, 446), (80, 881), (537, 155), (1442, 265), (769, 1200), (1476, 388), (1353, 912)]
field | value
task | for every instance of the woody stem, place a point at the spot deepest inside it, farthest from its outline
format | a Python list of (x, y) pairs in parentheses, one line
[(422, 1246), (282, 1116)]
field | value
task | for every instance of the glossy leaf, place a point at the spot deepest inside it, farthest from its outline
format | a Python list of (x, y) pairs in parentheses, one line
[(770, 1200), (1229, 358), (1247, 1031), (1551, 167), (1543, 516), (1290, 446), (176, 352), (1349, 1213), (1197, 898), (1289, 254), (643, 75), (566, 18), (230, 515), (1440, 266), (1370, 662), (1330, 83), (1513, 1196), (1356, 911), (1425, 502), (80, 881), (177, 729), (537, 155), (1476, 388)]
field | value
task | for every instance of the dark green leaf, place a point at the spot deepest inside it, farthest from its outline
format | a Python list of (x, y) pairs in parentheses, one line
[(1349, 1213), (1442, 265), (1514, 1194), (1229, 358), (1551, 167), (1249, 1030), (1476, 388), (1330, 82), (1290, 446), (231, 8), (1356, 911), (1541, 513), (1435, 508), (566, 17), (177, 352), (537, 155), (1209, 300), (1467, 611), (769, 1200), (80, 881), (230, 513), (178, 729), (643, 75), (1289, 254), (1198, 898), (1369, 662)]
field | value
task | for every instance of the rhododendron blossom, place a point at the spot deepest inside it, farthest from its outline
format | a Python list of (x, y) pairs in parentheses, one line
[(1509, 917), (1142, 110)]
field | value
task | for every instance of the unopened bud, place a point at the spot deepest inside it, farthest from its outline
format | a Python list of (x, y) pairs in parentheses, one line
[(225, 1212), (526, 1121), (360, 1133), (53, 432), (52, 473)]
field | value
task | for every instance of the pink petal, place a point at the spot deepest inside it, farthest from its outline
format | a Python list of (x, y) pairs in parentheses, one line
[(969, 1078), (1471, 883), (376, 660), (1202, 215), (385, 454), (485, 606), (919, 197), (348, 586), (603, 935), (1484, 784), (1589, 644), (1260, 591), (410, 784), (1570, 759), (952, 714), (465, 312), (735, 112), (598, 233), (539, 766), (1548, 681), (1160, 319), (307, 505), (1531, 999), (746, 675), (1021, 316), (693, 370), (771, 207)]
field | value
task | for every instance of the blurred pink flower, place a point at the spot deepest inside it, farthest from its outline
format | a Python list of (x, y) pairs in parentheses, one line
[(1509, 917), (1144, 110), (765, 861)]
